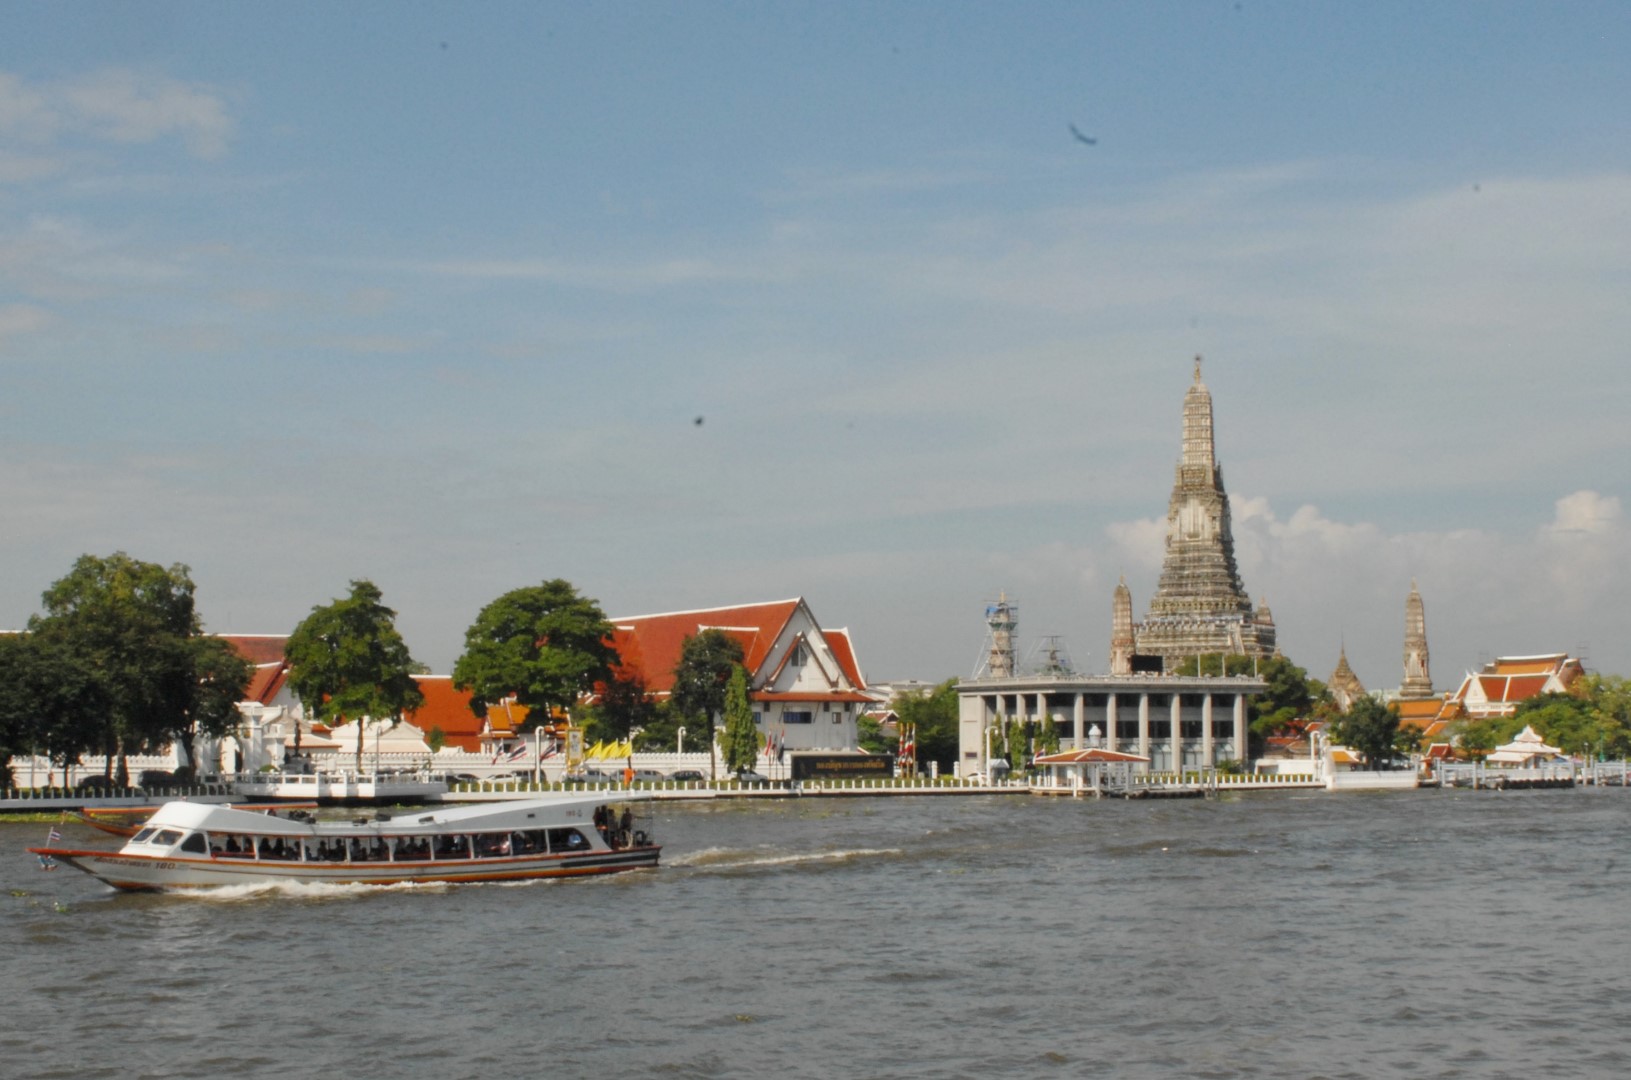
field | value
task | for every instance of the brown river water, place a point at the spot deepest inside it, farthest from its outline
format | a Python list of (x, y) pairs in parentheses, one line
[(1425, 934)]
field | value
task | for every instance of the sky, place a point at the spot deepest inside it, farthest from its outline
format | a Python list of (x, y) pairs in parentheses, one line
[(705, 304)]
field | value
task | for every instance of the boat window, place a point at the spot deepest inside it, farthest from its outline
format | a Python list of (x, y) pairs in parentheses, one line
[(165, 836), (567, 840), (195, 843), (141, 837), (492, 845)]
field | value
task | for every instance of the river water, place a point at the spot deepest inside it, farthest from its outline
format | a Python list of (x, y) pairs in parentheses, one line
[(1426, 934)]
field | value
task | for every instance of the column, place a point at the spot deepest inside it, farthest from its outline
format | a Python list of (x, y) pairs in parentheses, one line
[(1240, 729), (1144, 726), (1208, 758), (1177, 711), (1080, 720), (1110, 721)]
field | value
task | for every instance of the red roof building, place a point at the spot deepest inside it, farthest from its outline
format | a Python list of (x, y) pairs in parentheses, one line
[(1497, 690), (1501, 686), (805, 682)]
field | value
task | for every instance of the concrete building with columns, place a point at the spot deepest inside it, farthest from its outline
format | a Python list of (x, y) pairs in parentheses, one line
[(1189, 722)]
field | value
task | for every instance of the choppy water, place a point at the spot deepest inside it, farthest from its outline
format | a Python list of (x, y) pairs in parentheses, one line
[(1270, 935)]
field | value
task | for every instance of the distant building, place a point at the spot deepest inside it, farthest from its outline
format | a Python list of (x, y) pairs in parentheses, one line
[(1200, 605), (805, 683), (1188, 722), (1502, 685), (1344, 686), (1495, 690), (1418, 680)]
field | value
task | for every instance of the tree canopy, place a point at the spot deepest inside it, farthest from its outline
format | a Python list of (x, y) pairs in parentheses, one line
[(934, 713), (1290, 695), (1368, 728), (544, 645), (118, 663), (347, 660), (1593, 719), (703, 671)]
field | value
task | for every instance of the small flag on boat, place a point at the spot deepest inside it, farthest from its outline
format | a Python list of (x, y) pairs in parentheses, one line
[(53, 836)]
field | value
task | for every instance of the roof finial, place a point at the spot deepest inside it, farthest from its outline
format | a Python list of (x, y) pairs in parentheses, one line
[(1197, 367)]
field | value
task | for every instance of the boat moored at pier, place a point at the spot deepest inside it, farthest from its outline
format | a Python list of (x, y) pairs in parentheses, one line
[(196, 846)]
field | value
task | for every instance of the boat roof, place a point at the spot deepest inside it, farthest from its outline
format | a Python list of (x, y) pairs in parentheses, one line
[(541, 812)]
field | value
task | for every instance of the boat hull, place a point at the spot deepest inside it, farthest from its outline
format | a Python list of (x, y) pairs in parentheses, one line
[(142, 873)]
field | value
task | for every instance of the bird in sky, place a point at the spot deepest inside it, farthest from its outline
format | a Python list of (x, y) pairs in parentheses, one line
[(1086, 140)]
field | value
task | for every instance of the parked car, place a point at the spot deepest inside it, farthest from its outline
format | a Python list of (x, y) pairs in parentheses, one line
[(650, 776), (748, 776), (588, 776), (686, 775)]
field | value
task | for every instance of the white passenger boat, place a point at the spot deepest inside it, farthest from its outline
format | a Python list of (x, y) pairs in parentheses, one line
[(196, 846)]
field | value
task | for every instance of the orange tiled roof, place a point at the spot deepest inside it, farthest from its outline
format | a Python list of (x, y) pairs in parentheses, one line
[(1418, 712), (257, 648), (266, 682), (653, 642), (843, 650), (449, 709)]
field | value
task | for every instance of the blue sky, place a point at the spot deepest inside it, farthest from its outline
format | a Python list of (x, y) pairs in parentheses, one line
[(434, 295)]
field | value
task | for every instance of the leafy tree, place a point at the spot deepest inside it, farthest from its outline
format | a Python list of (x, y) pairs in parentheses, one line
[(741, 742), (1369, 729), (625, 706), (704, 670), (347, 660), (1290, 696), (935, 714), (869, 735), (1047, 739), (544, 645), (50, 700), (124, 640), (661, 732)]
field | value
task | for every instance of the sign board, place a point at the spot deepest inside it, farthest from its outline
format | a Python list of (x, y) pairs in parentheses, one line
[(842, 766)]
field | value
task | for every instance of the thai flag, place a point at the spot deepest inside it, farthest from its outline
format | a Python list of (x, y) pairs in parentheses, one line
[(53, 836)]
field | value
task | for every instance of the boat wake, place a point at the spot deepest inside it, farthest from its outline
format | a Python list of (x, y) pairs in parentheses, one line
[(736, 859), (303, 890)]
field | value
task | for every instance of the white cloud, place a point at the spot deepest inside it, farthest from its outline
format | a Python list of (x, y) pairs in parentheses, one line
[(19, 319), (1335, 584), (118, 105)]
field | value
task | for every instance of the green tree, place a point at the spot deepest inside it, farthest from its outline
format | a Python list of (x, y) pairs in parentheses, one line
[(935, 714), (869, 735), (124, 638), (704, 670), (1290, 695), (1573, 723), (1047, 738), (50, 701), (661, 732), (347, 660), (1369, 728), (741, 740), (624, 708), (544, 645)]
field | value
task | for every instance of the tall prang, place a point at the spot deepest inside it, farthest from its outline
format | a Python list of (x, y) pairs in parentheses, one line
[(1122, 643), (1418, 680), (1200, 605)]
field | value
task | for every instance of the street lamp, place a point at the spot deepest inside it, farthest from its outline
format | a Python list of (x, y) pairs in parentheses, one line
[(681, 733)]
